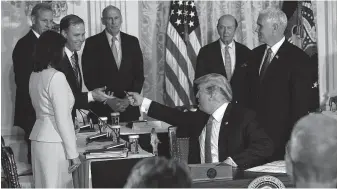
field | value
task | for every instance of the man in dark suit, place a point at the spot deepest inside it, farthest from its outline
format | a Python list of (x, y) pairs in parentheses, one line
[(72, 28), (228, 58), (114, 59), (24, 117), (219, 131), (283, 80)]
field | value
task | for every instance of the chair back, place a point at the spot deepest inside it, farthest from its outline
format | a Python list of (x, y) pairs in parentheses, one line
[(179, 147), (9, 166)]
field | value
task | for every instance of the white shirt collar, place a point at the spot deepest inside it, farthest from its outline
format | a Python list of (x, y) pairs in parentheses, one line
[(109, 36), (218, 114), (231, 45), (36, 34), (277, 46), (68, 52)]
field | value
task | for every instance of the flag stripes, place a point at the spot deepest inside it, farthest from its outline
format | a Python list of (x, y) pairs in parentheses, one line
[(182, 47)]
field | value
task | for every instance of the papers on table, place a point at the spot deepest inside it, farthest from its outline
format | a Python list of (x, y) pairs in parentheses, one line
[(145, 128), (99, 153), (273, 167)]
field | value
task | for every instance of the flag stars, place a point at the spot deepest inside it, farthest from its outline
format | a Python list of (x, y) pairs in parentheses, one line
[(191, 24), (179, 12), (192, 4), (192, 14), (180, 3), (172, 12), (185, 12), (178, 22)]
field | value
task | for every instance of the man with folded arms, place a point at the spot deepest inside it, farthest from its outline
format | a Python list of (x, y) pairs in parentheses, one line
[(219, 131)]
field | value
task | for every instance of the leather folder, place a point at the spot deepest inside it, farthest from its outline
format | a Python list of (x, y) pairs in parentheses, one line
[(210, 171)]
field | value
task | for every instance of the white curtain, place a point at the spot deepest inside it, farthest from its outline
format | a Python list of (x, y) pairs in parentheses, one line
[(327, 48)]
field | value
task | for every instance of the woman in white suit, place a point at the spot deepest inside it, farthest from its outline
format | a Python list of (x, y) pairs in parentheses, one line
[(54, 152)]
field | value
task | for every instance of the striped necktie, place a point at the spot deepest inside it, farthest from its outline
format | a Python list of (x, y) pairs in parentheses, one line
[(228, 64), (265, 64), (74, 64), (208, 138), (114, 51)]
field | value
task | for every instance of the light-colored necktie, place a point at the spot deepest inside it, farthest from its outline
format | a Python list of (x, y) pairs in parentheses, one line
[(208, 142), (75, 68), (114, 50), (228, 64), (265, 64)]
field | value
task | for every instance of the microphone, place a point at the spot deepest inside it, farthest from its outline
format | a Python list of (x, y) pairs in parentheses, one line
[(100, 135), (86, 127)]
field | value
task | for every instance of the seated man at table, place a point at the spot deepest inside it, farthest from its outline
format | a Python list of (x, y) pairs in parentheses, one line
[(311, 153), (220, 130), (159, 172)]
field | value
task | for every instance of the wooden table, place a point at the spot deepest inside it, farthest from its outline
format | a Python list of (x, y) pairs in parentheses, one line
[(82, 176)]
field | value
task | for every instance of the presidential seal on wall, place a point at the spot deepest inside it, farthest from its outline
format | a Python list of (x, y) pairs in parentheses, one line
[(266, 182)]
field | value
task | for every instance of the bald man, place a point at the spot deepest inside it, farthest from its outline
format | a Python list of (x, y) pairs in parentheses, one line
[(228, 58), (311, 153), (114, 59)]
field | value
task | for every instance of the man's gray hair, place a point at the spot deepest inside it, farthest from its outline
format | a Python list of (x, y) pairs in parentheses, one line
[(275, 15), (106, 9), (213, 81), (312, 148), (40, 7)]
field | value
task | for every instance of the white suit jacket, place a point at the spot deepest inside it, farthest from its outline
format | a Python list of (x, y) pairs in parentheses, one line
[(53, 101)]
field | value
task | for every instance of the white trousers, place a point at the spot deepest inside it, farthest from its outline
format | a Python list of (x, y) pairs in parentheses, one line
[(50, 166)]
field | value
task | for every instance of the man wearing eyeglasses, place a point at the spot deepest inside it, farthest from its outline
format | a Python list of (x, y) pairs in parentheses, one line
[(114, 59)]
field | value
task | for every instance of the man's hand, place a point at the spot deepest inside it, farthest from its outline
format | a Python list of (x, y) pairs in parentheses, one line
[(135, 99), (99, 94), (117, 104)]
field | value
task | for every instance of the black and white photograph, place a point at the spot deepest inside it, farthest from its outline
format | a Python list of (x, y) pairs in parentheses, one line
[(169, 94)]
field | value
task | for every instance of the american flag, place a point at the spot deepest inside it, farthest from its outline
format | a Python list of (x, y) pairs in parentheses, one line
[(182, 47)]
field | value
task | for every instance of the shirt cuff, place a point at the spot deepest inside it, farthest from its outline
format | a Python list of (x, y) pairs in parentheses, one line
[(232, 162), (90, 97), (145, 105)]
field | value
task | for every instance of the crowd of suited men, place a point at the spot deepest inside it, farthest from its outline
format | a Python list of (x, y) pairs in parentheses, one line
[(248, 100)]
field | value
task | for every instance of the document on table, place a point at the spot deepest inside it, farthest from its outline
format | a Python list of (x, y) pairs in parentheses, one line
[(273, 167)]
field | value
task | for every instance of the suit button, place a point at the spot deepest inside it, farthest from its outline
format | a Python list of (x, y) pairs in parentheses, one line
[(236, 102)]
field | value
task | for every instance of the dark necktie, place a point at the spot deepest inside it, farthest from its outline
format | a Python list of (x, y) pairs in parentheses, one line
[(228, 64), (208, 142), (266, 63), (114, 50), (74, 64)]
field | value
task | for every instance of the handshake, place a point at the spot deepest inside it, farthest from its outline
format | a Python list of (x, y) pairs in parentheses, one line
[(120, 105)]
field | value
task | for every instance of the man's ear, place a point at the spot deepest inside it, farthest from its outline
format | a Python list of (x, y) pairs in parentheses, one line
[(64, 33), (103, 21), (33, 19), (275, 27), (289, 166)]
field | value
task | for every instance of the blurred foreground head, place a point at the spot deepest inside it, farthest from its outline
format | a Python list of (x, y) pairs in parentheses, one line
[(311, 154), (159, 172)]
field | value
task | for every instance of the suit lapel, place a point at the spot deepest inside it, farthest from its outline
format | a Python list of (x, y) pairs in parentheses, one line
[(69, 73), (220, 65), (108, 53), (224, 132), (274, 62)]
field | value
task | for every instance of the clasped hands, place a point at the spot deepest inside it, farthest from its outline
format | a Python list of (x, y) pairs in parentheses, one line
[(117, 104)]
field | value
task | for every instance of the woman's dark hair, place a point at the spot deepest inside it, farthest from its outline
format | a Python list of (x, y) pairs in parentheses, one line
[(48, 51)]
